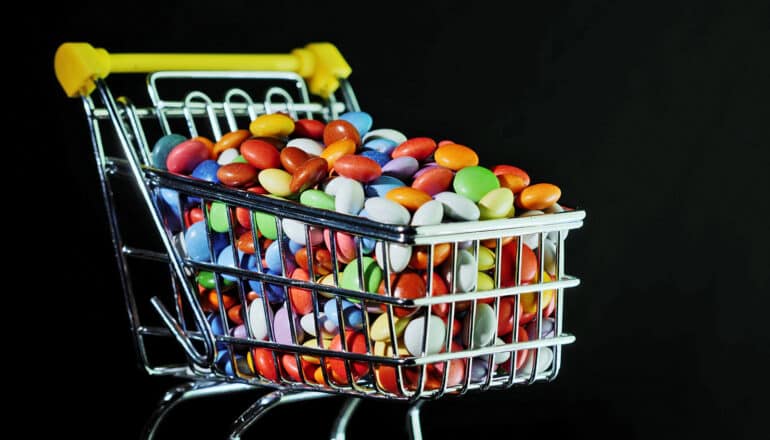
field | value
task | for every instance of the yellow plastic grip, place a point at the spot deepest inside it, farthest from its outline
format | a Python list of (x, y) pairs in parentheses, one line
[(77, 65)]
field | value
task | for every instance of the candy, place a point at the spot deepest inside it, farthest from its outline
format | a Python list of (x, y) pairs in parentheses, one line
[(408, 197), (356, 343), (334, 151), (309, 146), (230, 140), (307, 175), (228, 156), (414, 335), (301, 299), (497, 203), (207, 170), (358, 168), (474, 182), (455, 156), (237, 175), (399, 256), (162, 148), (197, 242), (275, 125), (401, 168), (430, 213), (282, 327), (381, 145), (381, 186), (348, 196), (405, 285), (372, 275), (434, 180), (486, 258), (351, 313), (261, 154), (485, 323), (386, 211), (276, 181), (360, 120), (380, 328), (184, 157), (539, 196), (419, 148), (309, 128), (544, 360), (218, 219), (458, 207), (380, 158), (264, 363), (257, 320), (317, 199), (338, 130), (389, 134)]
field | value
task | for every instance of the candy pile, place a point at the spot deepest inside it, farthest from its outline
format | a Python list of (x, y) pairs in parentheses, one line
[(379, 174)]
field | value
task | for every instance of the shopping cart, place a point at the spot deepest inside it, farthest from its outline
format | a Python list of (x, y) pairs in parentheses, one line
[(310, 83)]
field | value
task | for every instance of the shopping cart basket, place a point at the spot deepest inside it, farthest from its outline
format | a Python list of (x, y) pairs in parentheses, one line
[(211, 95)]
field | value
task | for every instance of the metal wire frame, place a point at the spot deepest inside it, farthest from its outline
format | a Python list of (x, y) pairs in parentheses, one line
[(127, 121)]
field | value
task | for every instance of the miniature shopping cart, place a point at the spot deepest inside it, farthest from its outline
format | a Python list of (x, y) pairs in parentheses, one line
[(179, 332)]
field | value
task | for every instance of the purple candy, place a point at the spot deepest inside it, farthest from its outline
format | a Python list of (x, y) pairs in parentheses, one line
[(401, 167), (281, 329), (546, 330)]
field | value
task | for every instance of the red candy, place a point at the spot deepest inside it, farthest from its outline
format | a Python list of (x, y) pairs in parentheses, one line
[(434, 180), (237, 174), (419, 148), (404, 285), (338, 130), (183, 158), (508, 265), (359, 168), (309, 128), (260, 154), (356, 342)]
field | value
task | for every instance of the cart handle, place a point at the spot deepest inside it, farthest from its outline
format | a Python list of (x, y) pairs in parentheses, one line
[(77, 65)]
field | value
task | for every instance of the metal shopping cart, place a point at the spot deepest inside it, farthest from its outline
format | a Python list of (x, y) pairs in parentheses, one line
[(210, 95)]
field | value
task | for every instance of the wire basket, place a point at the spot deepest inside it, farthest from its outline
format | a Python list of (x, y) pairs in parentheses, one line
[(197, 310)]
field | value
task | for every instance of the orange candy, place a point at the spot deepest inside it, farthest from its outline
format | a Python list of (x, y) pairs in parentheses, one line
[(234, 139), (419, 258), (301, 299), (263, 363), (455, 156), (338, 130), (335, 150), (207, 142), (408, 197), (539, 196), (356, 344), (513, 182)]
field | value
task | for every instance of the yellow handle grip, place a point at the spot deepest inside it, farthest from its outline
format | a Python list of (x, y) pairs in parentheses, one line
[(77, 65)]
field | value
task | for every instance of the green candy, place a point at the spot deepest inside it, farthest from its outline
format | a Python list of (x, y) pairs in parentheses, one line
[(207, 280), (317, 199), (474, 182), (218, 217), (266, 222), (239, 159), (372, 275)]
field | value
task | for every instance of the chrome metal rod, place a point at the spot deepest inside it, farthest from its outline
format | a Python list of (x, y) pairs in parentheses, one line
[(265, 404), (413, 426), (184, 392), (341, 423)]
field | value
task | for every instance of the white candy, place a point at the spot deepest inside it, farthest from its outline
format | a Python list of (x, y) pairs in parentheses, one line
[(467, 271), (257, 323), (413, 335), (484, 327), (430, 213), (228, 156), (309, 146), (348, 195), (399, 256), (385, 133), (458, 207), (544, 360), (386, 211), (295, 230)]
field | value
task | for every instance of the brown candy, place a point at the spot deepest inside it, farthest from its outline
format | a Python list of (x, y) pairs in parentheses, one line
[(308, 174), (237, 174), (292, 158)]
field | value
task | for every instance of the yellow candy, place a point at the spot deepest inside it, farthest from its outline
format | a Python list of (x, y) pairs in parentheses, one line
[(314, 343), (382, 348), (336, 150), (485, 282), (528, 300), (380, 329), (497, 203), (275, 181), (486, 258), (275, 125)]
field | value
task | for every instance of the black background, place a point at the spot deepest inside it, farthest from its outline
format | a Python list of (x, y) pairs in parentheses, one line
[(653, 117)]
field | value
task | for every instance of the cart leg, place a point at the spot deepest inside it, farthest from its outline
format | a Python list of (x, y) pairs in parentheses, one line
[(413, 426), (341, 424), (181, 393), (265, 404)]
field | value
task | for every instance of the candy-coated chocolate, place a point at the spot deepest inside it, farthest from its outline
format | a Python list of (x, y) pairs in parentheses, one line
[(308, 175), (380, 158), (356, 343), (209, 145), (162, 148), (257, 319), (401, 168), (338, 129), (197, 242), (404, 285), (455, 156), (431, 213), (317, 199), (497, 203), (218, 220), (466, 272), (474, 182), (354, 317), (382, 145), (295, 230), (414, 335), (230, 140), (398, 254), (289, 363), (505, 315), (458, 207), (348, 196), (276, 181), (380, 328), (362, 121), (228, 156), (486, 258), (419, 261), (508, 264), (381, 186), (544, 360), (511, 181), (264, 363), (335, 150), (275, 125), (434, 180), (309, 146), (394, 136), (322, 257), (408, 197), (291, 158), (185, 156), (309, 128), (345, 245), (206, 170), (245, 243), (372, 275), (485, 323), (419, 148), (237, 175), (384, 210), (301, 299), (501, 170), (358, 168), (539, 196), (260, 154), (282, 329)]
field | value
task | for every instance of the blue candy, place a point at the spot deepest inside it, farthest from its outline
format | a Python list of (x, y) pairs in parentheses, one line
[(206, 170), (380, 144), (353, 316), (381, 186), (361, 120), (294, 247), (379, 157), (245, 261), (197, 242)]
